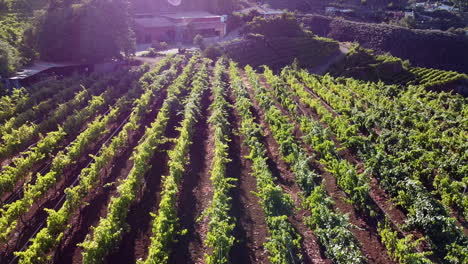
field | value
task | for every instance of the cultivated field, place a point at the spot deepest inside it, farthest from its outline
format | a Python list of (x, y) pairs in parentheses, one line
[(195, 161)]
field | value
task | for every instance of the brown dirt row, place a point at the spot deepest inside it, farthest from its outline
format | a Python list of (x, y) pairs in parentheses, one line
[(7, 160), (12, 196), (135, 242), (250, 230), (36, 215), (96, 203), (312, 252), (196, 192), (43, 165), (366, 231), (382, 199)]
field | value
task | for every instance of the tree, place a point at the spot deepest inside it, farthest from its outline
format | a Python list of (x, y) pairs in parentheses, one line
[(198, 40), (285, 25), (9, 59), (88, 31)]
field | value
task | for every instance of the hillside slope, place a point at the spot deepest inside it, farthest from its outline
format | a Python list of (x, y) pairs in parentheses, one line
[(424, 48)]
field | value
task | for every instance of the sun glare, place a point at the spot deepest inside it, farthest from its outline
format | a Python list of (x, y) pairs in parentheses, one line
[(174, 2)]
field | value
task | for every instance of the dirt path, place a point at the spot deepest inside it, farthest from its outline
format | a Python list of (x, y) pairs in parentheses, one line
[(134, 244), (251, 230), (196, 192), (337, 56)]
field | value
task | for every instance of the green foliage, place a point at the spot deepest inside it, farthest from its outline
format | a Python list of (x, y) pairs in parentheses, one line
[(91, 31), (221, 225), (36, 190), (406, 146), (283, 243), (110, 229), (9, 59), (166, 223), (12, 50), (213, 52), (50, 236), (331, 228), (277, 52), (285, 25), (403, 250)]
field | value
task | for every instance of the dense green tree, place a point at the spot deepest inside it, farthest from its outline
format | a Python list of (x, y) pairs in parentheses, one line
[(90, 31), (9, 58), (285, 25)]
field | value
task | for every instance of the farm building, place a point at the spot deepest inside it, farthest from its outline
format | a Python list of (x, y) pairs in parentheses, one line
[(178, 27)]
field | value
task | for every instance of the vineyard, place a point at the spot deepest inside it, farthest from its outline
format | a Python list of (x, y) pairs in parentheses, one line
[(200, 161)]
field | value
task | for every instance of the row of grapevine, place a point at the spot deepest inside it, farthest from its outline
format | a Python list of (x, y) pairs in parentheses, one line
[(165, 223), (340, 245), (110, 229), (22, 136), (283, 243), (34, 191), (38, 111), (394, 177), (57, 221), (148, 78), (350, 181), (433, 77), (221, 225), (443, 146), (354, 184), (429, 138), (21, 165), (47, 145), (8, 103), (393, 108), (436, 102), (21, 99)]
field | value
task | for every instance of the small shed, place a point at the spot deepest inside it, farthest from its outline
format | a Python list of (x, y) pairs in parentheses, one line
[(41, 69)]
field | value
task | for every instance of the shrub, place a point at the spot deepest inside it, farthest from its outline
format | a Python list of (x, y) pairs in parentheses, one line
[(213, 52), (150, 53), (158, 46), (285, 25), (198, 40)]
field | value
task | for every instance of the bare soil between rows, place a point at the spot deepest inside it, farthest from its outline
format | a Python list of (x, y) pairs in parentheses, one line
[(250, 230)]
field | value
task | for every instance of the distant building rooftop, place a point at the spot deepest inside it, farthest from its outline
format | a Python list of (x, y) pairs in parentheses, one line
[(154, 22), (189, 15), (37, 68), (147, 20)]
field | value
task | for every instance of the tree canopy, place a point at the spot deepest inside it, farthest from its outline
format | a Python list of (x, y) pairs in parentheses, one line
[(88, 31)]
